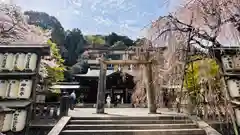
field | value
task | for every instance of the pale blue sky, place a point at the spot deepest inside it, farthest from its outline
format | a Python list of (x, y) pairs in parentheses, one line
[(127, 17)]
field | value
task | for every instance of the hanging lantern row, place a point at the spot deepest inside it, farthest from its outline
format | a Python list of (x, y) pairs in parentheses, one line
[(13, 89), (18, 62), (231, 62), (13, 120)]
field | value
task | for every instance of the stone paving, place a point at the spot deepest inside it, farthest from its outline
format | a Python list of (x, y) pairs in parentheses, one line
[(118, 112)]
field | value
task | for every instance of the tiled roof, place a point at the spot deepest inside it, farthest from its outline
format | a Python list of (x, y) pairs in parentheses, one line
[(57, 86), (95, 73)]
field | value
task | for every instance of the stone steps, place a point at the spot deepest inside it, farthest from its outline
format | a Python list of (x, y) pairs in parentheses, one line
[(139, 125), (161, 117), (98, 122), (194, 131), (129, 126)]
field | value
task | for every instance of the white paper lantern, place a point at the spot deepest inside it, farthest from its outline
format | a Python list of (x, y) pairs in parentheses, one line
[(31, 61), (25, 89), (19, 120), (6, 118), (236, 62), (237, 113), (12, 90), (19, 61), (227, 62), (3, 88), (234, 87), (1, 60), (8, 62), (7, 122)]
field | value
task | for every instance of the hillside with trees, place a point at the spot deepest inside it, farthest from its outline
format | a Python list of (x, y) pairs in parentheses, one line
[(72, 43)]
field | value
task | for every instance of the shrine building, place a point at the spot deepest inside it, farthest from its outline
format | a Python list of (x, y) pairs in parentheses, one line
[(116, 84)]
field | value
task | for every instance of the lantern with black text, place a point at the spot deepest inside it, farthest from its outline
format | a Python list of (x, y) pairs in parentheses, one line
[(6, 116), (1, 60), (8, 62), (3, 88), (227, 62), (12, 90), (31, 61), (19, 120), (234, 87), (25, 89), (19, 61), (236, 62)]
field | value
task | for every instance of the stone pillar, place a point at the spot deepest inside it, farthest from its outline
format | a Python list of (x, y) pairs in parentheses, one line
[(149, 87), (64, 104), (101, 88), (126, 95)]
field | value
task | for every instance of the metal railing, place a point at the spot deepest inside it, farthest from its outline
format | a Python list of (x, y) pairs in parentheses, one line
[(48, 116), (50, 110)]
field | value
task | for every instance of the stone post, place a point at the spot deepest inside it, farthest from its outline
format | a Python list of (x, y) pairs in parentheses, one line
[(149, 87), (64, 104), (101, 88)]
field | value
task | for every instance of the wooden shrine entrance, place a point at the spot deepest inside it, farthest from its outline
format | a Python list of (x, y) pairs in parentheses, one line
[(102, 81), (117, 85)]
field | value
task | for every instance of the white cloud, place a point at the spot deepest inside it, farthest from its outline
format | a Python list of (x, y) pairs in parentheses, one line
[(101, 20), (6, 1), (76, 12), (103, 16), (130, 22)]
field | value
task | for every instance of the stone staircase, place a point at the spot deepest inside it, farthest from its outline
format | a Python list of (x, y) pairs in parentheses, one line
[(134, 125)]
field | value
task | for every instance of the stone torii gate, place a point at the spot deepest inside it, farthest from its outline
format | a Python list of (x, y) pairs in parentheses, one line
[(102, 81)]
